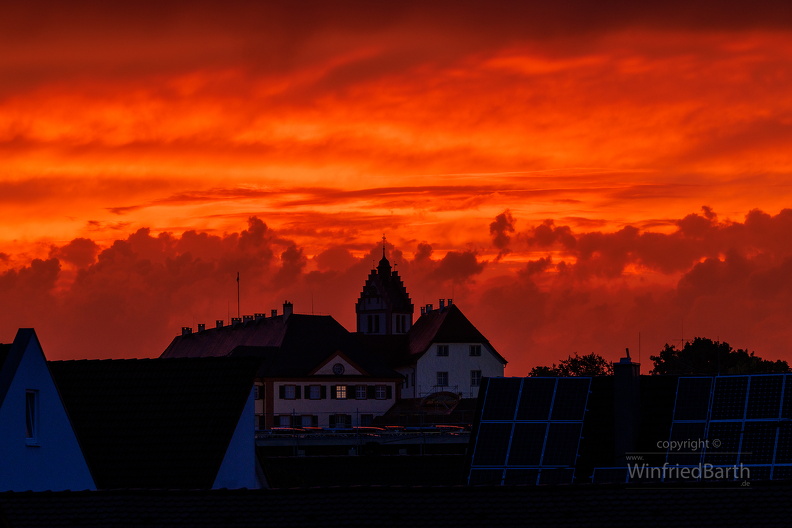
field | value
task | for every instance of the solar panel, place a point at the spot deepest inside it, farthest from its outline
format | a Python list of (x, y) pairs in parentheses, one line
[(536, 398), (570, 398), (527, 444), (521, 476), (556, 476), (786, 398), (746, 424), (724, 443), (562, 444), (684, 432), (783, 453), (758, 443), (782, 472), (693, 398), (527, 427), (500, 400), (492, 444), (728, 398), (764, 397)]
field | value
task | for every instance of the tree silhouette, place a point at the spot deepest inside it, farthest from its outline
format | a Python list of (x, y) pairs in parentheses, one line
[(704, 356), (586, 365)]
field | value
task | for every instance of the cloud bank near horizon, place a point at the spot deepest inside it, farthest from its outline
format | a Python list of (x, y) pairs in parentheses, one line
[(573, 291)]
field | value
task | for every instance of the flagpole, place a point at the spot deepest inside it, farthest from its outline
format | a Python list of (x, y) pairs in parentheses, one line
[(238, 309)]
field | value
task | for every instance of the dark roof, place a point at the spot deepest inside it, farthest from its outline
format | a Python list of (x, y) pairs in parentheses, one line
[(155, 423), (416, 507), (290, 346)]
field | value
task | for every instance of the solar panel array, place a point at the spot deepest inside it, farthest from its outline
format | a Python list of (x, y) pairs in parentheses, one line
[(529, 430), (729, 421)]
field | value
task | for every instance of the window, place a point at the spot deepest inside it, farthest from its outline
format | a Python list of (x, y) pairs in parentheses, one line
[(289, 392), (31, 416), (315, 392), (284, 420), (342, 421), (475, 350), (373, 324), (381, 392), (442, 379), (309, 420), (361, 392), (475, 378), (442, 350), (366, 420), (339, 392)]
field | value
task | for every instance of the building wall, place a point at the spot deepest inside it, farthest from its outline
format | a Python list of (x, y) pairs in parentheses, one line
[(324, 408), (238, 469), (54, 461), (458, 364)]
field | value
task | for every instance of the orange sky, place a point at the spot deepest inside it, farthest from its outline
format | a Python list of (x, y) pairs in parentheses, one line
[(540, 164)]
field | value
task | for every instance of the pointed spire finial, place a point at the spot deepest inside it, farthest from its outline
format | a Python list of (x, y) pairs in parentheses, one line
[(383, 245)]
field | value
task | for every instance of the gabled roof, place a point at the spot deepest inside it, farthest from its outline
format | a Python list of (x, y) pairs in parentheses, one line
[(290, 346), (445, 325), (155, 423), (11, 356)]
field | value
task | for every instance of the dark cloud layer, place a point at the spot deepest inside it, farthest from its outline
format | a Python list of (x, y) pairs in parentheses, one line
[(591, 291)]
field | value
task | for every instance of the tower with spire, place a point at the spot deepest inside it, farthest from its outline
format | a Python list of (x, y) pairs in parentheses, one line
[(384, 307)]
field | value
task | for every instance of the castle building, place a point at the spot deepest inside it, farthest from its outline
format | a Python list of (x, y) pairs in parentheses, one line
[(442, 352)]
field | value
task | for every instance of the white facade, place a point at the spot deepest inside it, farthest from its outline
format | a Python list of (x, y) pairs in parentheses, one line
[(452, 367), (38, 447)]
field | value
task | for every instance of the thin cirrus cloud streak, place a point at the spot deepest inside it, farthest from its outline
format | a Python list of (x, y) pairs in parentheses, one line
[(139, 137)]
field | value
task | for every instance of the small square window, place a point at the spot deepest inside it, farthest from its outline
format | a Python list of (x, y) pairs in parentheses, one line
[(289, 392), (340, 392), (314, 392), (381, 392), (442, 379), (442, 350), (361, 392), (475, 378), (475, 350)]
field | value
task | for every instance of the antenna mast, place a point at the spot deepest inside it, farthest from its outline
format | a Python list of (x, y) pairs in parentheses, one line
[(238, 309)]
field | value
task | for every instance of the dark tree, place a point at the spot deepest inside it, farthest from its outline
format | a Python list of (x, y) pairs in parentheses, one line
[(704, 356), (586, 365)]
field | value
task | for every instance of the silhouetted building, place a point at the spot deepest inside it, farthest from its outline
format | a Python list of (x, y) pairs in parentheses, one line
[(384, 307)]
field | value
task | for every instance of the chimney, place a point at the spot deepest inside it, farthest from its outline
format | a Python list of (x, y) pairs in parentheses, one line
[(450, 302), (201, 327), (236, 320), (288, 308), (247, 318), (626, 406), (186, 330), (442, 303), (273, 313), (218, 323), (428, 308), (423, 310), (260, 316)]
